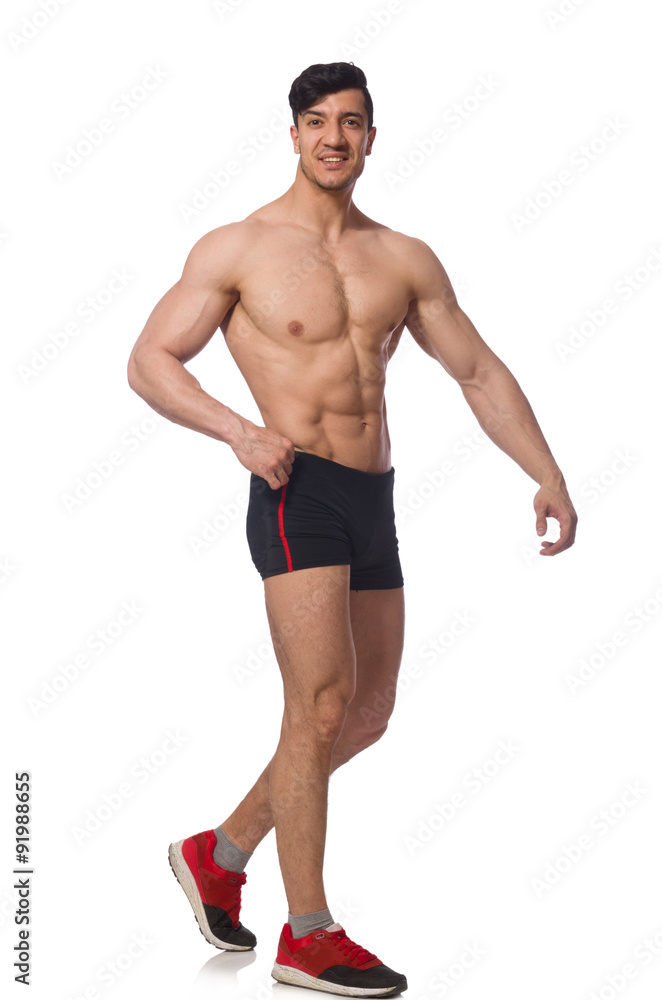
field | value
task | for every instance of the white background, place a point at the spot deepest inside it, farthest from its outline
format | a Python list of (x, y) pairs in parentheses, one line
[(196, 658)]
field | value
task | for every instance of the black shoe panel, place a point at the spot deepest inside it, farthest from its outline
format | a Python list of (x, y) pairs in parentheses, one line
[(221, 927), (379, 977)]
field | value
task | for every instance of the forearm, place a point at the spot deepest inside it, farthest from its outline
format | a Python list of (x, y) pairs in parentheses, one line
[(163, 382), (504, 413)]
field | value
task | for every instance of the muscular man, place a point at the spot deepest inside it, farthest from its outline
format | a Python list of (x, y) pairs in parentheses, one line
[(312, 297)]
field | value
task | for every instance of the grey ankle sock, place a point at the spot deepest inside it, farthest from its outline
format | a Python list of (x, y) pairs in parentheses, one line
[(306, 923), (227, 855)]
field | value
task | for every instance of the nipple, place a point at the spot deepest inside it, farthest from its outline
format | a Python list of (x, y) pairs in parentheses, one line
[(295, 328)]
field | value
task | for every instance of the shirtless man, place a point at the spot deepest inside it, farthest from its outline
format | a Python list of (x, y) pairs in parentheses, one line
[(312, 297)]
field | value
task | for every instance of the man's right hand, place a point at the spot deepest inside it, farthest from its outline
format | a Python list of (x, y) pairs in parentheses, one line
[(266, 453)]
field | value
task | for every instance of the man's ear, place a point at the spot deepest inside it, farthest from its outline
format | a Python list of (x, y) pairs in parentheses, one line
[(294, 132), (371, 138)]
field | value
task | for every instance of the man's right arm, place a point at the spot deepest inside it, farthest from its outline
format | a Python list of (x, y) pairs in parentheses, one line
[(177, 329), (182, 322)]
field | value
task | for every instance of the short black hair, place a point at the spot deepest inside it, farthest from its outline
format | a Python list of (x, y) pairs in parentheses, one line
[(327, 78)]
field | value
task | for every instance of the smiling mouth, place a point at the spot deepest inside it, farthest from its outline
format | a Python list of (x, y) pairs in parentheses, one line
[(333, 159)]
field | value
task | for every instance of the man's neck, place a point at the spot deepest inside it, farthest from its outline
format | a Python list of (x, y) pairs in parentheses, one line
[(327, 213)]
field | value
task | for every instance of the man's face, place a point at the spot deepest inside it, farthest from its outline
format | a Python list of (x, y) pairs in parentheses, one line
[(334, 128)]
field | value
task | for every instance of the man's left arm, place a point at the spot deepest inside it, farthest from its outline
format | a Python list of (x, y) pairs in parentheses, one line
[(445, 332)]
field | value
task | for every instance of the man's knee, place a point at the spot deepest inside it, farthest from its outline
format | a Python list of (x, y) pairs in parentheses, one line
[(368, 719), (320, 716), (355, 738)]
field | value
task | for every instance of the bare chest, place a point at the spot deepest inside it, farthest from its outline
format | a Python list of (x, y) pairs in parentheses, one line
[(310, 295)]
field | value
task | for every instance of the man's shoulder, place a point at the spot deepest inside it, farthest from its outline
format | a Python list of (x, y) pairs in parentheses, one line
[(222, 250), (415, 260), (232, 234), (402, 244)]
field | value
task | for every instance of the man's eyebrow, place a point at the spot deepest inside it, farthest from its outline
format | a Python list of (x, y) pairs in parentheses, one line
[(345, 114)]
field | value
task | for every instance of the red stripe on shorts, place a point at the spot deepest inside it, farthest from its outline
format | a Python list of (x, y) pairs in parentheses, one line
[(282, 529)]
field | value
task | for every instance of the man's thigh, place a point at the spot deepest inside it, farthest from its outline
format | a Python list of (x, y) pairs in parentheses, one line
[(309, 618), (378, 625)]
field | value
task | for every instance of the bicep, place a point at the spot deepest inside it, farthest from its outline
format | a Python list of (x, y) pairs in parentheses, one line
[(185, 319), (441, 327)]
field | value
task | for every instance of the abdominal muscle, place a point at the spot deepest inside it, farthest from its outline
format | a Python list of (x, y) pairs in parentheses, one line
[(326, 397), (361, 442)]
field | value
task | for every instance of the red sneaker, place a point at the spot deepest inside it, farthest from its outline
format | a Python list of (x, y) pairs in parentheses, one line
[(327, 960), (213, 892)]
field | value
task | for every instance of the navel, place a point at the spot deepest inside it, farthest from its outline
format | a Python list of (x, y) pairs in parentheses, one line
[(295, 328)]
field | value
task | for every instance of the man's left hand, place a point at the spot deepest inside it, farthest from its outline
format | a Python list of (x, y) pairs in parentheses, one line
[(553, 501)]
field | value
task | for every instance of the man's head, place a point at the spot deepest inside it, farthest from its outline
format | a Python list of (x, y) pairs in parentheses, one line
[(332, 112), (328, 78)]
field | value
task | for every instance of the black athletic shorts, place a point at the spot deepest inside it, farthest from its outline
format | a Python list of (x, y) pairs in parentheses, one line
[(325, 515)]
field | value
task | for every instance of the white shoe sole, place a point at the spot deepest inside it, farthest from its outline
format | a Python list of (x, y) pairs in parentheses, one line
[(185, 878), (295, 977)]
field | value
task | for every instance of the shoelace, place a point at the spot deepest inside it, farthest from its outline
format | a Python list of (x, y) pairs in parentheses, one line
[(235, 906), (354, 951)]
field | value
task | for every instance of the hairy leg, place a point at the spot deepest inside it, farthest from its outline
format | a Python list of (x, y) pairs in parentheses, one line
[(377, 631), (310, 624)]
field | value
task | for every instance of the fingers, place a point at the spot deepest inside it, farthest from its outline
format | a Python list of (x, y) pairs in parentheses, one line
[(290, 456), (557, 504), (552, 549), (566, 538), (281, 464), (278, 477), (283, 470)]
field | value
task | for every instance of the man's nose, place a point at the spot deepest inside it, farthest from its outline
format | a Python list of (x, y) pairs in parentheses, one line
[(334, 135)]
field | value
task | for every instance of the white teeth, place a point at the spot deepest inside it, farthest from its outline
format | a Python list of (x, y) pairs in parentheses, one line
[(332, 159)]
